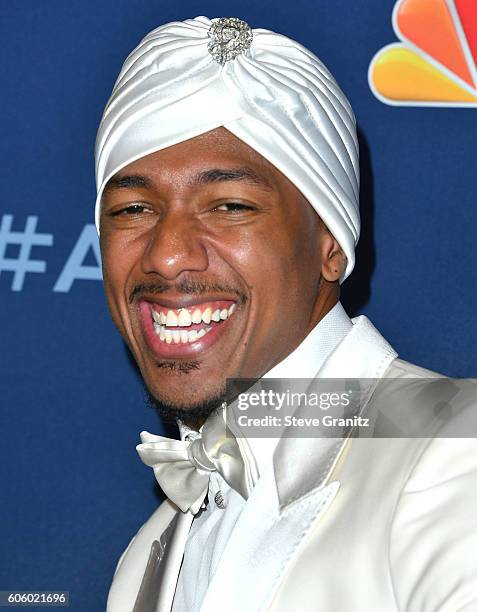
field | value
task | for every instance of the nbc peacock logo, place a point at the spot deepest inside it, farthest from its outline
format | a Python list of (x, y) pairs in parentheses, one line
[(435, 64)]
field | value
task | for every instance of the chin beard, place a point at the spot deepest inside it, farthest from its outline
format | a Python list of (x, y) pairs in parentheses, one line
[(193, 415)]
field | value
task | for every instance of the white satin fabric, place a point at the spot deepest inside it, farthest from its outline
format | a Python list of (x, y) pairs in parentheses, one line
[(183, 467), (278, 97), (283, 512), (213, 529)]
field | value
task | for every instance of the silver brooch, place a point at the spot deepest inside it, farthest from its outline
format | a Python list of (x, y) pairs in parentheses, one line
[(229, 37), (220, 501)]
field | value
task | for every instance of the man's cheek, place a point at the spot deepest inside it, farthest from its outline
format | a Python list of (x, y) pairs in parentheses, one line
[(113, 297)]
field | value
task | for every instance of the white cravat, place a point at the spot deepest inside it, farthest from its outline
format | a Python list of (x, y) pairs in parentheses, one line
[(212, 528)]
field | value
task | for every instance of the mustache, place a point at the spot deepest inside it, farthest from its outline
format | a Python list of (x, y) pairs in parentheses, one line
[(185, 287)]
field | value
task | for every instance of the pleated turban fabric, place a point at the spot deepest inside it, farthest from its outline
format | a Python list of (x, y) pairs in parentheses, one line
[(276, 96)]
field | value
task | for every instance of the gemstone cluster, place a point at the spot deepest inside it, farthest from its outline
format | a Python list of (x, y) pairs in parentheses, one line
[(229, 37)]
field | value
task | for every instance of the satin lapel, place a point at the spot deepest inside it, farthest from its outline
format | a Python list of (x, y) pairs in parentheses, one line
[(362, 354), (286, 504), (262, 545), (160, 578)]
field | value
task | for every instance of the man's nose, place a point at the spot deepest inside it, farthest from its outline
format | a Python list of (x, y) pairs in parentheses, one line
[(175, 245)]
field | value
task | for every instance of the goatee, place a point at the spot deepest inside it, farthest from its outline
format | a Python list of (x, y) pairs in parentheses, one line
[(193, 416)]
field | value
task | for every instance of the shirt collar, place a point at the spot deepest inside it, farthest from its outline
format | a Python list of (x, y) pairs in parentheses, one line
[(304, 362), (309, 356)]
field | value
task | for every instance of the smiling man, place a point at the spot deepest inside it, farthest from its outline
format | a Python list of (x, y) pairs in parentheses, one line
[(201, 243), (227, 173)]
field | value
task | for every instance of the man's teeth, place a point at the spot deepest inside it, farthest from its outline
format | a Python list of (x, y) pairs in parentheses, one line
[(178, 336), (185, 318), (207, 315)]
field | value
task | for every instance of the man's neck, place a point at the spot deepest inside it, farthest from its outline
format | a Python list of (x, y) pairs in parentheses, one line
[(303, 362)]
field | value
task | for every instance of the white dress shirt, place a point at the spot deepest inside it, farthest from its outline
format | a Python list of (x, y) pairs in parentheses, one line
[(212, 528)]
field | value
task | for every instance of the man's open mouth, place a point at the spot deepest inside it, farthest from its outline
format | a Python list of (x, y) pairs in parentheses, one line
[(185, 325)]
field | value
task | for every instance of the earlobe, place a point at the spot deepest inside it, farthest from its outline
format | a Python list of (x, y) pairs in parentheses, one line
[(334, 260)]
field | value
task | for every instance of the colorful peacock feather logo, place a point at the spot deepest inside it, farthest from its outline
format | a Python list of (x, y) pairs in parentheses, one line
[(435, 65)]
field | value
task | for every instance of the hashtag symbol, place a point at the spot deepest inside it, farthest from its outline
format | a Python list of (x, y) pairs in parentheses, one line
[(27, 239)]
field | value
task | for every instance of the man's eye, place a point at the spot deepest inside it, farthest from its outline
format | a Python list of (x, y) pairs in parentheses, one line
[(132, 209), (233, 207)]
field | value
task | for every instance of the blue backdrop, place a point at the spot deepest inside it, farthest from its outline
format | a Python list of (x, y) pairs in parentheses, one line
[(73, 491)]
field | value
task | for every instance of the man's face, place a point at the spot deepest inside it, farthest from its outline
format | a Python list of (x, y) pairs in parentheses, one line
[(211, 261)]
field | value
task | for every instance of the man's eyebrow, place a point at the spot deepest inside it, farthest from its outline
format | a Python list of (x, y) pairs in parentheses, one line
[(242, 173), (127, 181)]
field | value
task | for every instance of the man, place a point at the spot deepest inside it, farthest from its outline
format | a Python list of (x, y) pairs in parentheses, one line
[(227, 172)]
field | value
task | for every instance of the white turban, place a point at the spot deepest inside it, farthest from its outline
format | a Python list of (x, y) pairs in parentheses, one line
[(276, 96)]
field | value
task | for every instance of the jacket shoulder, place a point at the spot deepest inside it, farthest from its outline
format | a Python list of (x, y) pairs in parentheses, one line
[(414, 402), (404, 369)]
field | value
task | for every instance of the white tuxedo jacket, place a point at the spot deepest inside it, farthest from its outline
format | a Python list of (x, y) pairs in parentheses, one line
[(381, 524)]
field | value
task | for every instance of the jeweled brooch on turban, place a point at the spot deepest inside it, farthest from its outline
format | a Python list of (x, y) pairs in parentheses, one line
[(229, 37)]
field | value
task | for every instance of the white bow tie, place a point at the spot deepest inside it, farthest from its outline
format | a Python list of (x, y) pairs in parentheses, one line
[(183, 468)]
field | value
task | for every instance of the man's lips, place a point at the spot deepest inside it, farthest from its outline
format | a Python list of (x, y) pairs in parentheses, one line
[(185, 330)]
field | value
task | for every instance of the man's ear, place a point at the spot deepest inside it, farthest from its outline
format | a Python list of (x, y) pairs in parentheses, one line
[(333, 259)]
